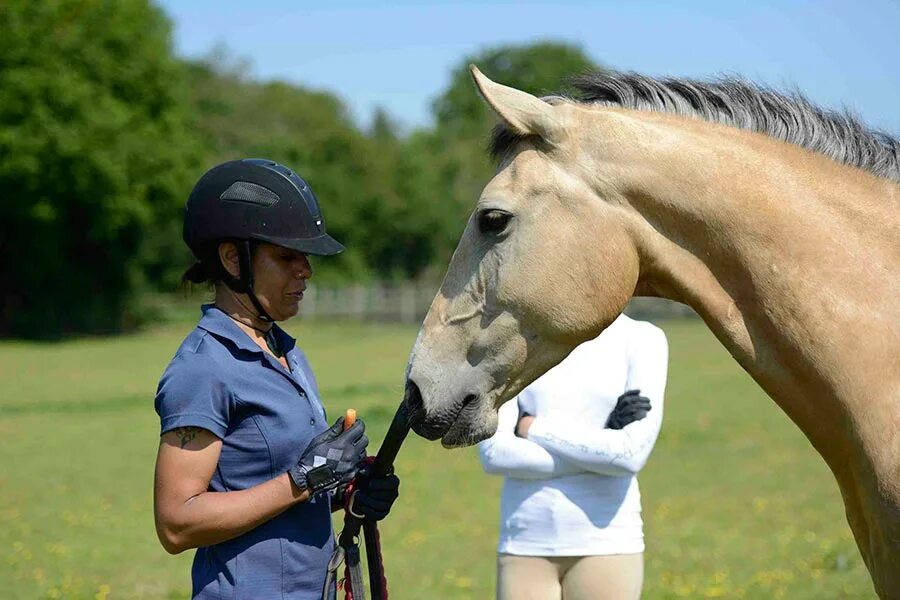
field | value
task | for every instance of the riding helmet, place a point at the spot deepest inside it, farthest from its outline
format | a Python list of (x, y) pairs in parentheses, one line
[(257, 199)]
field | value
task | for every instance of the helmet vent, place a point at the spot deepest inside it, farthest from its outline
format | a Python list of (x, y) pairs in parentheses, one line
[(249, 193)]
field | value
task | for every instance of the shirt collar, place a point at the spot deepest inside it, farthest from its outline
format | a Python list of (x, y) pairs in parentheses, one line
[(221, 325)]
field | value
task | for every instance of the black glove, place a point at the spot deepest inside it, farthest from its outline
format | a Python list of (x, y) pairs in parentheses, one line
[(630, 407), (373, 497), (332, 457)]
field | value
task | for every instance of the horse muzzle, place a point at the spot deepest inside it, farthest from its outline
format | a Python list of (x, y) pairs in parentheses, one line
[(456, 423)]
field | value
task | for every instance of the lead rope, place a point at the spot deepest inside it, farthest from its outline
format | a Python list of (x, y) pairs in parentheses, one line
[(353, 583), (347, 549), (337, 559), (377, 578), (347, 552)]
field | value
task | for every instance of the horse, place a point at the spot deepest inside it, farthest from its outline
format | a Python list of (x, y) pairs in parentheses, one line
[(775, 220)]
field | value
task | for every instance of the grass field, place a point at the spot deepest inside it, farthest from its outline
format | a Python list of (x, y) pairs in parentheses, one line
[(736, 503)]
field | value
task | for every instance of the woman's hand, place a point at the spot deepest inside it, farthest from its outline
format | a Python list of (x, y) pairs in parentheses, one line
[(374, 495), (526, 416), (332, 457), (524, 424), (630, 407)]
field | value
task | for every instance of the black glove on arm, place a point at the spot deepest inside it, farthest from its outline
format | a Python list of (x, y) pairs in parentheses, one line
[(630, 407), (332, 457), (373, 497)]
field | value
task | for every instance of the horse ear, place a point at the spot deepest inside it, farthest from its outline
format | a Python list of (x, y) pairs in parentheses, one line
[(522, 112)]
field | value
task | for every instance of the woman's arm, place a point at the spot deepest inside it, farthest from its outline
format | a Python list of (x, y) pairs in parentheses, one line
[(609, 451), (512, 456), (187, 514)]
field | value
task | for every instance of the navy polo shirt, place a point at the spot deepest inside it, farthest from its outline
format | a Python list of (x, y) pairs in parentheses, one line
[(265, 415)]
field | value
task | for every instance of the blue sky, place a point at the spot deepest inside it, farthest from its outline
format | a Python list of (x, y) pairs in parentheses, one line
[(398, 55)]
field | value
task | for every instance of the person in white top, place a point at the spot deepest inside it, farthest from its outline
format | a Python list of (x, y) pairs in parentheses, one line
[(570, 447)]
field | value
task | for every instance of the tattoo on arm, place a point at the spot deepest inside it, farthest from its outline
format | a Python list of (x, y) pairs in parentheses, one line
[(186, 434)]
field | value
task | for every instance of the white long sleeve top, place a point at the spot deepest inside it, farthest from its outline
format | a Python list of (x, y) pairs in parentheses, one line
[(570, 487)]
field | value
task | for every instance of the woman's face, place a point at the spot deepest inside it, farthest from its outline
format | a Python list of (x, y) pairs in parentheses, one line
[(279, 279)]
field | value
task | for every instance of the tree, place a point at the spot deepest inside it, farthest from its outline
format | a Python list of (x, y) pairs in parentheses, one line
[(103, 132), (398, 202), (364, 180), (310, 131), (96, 158)]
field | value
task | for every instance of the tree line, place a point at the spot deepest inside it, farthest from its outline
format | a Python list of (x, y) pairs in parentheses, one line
[(104, 130)]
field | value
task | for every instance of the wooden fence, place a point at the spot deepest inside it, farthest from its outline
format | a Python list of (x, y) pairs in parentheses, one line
[(408, 303)]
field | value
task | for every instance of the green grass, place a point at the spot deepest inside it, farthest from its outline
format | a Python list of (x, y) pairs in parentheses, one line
[(736, 503)]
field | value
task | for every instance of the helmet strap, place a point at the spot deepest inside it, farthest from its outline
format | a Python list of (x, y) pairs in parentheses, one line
[(246, 262), (243, 284), (263, 315)]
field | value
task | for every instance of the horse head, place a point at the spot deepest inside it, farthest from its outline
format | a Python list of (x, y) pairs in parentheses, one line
[(545, 263)]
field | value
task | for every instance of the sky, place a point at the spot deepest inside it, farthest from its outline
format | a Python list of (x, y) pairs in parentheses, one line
[(399, 55)]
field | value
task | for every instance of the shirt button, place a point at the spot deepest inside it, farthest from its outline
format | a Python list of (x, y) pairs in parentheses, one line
[(312, 421)]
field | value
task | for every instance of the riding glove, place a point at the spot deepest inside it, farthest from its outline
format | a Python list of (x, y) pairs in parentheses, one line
[(332, 457), (374, 495), (630, 407)]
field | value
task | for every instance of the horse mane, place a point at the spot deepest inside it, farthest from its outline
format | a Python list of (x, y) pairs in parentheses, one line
[(790, 117)]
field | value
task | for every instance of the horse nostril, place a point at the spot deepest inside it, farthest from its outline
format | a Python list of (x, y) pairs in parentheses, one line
[(468, 400), (413, 397)]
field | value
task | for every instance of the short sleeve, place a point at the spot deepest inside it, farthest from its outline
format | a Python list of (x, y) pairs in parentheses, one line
[(191, 393)]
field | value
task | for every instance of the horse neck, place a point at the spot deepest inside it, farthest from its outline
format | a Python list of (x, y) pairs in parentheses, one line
[(787, 256)]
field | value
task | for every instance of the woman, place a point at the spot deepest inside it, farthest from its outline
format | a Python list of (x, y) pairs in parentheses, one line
[(570, 447), (248, 467)]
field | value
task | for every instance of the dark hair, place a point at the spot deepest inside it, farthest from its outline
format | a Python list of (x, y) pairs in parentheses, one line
[(207, 269)]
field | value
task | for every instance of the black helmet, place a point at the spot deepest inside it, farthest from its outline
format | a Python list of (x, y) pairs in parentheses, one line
[(257, 199)]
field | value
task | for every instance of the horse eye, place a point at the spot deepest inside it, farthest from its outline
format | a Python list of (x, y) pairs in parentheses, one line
[(493, 220)]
